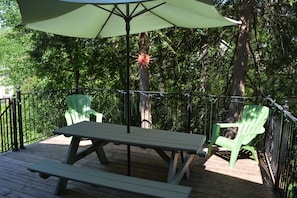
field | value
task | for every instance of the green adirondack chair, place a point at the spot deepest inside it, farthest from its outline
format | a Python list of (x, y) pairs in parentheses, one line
[(250, 125), (79, 109)]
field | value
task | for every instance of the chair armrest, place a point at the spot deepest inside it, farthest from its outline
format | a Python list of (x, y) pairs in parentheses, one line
[(68, 117), (216, 129), (227, 125), (98, 115)]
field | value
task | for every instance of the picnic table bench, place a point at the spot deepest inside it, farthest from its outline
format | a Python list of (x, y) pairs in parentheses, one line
[(48, 168)]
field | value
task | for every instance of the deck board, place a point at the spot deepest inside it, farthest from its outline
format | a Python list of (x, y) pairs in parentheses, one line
[(209, 177)]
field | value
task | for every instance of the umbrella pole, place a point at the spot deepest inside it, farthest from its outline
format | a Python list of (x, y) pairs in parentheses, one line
[(128, 116)]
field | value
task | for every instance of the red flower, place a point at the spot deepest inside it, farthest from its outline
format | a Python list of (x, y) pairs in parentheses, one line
[(143, 60)]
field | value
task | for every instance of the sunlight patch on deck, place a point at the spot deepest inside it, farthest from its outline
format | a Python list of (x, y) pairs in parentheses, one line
[(62, 140), (245, 169)]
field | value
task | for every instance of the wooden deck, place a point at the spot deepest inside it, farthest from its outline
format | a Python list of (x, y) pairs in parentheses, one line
[(209, 177)]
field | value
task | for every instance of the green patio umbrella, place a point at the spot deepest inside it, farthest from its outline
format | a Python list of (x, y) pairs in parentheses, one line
[(107, 18)]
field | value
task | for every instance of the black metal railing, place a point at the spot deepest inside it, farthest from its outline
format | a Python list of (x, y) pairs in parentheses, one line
[(39, 113), (281, 149), (9, 136), (31, 117)]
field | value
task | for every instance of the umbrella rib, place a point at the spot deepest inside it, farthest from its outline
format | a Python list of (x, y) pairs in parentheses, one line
[(113, 11), (131, 15), (150, 10), (147, 9), (120, 14), (117, 11)]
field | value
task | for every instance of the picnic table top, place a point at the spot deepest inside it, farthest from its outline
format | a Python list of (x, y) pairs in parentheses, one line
[(150, 138)]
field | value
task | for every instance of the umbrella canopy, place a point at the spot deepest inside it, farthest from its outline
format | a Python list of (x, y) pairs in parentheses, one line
[(103, 18), (107, 18)]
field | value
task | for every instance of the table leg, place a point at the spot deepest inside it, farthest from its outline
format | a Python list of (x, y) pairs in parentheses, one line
[(183, 160), (163, 155), (100, 151), (172, 166), (174, 175), (70, 159)]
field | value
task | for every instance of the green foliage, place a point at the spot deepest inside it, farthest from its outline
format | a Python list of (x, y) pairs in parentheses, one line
[(14, 59), (72, 62), (184, 60), (9, 13), (274, 47), (181, 55)]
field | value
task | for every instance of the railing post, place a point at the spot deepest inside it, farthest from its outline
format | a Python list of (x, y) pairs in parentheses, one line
[(20, 118), (14, 125), (286, 106), (189, 111), (280, 149)]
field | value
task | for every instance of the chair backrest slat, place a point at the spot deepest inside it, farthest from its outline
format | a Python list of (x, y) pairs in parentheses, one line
[(79, 102), (78, 107), (252, 122)]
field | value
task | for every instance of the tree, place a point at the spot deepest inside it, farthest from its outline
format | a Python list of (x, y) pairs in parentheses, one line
[(143, 63), (241, 59)]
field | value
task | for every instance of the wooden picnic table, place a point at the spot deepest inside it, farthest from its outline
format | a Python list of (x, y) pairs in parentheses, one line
[(160, 140), (183, 146)]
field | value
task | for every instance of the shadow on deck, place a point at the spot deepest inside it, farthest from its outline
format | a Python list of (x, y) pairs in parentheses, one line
[(209, 177)]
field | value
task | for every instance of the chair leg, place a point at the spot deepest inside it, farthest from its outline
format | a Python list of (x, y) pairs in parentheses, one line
[(209, 152), (233, 157), (253, 151)]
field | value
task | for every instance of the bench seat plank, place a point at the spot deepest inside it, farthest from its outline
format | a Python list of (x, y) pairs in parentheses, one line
[(110, 180)]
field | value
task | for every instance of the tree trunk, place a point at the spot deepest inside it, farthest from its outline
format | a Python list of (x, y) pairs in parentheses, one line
[(203, 69), (144, 104), (240, 67), (76, 73), (241, 60)]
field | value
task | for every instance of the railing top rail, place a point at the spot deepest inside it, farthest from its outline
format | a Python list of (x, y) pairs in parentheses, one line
[(284, 109)]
